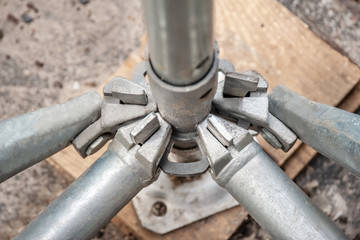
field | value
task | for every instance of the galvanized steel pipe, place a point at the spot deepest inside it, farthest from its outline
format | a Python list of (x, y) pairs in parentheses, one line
[(180, 36), (90, 201), (331, 131), (273, 200), (27, 139)]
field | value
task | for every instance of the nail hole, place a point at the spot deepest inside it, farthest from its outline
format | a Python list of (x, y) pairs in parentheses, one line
[(159, 209)]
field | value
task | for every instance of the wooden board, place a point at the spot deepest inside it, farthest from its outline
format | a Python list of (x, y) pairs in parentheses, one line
[(267, 37), (261, 35)]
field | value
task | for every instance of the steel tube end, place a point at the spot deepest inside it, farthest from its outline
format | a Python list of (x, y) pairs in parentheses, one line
[(180, 35)]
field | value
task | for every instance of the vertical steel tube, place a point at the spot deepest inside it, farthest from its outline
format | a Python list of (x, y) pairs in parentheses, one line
[(273, 200), (27, 139), (180, 35), (90, 201)]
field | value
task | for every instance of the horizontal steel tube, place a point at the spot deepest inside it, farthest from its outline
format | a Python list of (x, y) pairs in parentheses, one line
[(27, 139), (275, 201), (180, 35), (90, 201), (331, 131)]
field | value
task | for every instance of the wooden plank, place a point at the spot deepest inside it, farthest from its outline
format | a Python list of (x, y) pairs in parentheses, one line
[(265, 36), (337, 31), (352, 101)]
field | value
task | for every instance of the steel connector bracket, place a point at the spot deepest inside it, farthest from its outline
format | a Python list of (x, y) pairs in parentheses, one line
[(106, 187)]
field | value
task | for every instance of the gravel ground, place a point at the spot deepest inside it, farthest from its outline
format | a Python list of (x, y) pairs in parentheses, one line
[(68, 48)]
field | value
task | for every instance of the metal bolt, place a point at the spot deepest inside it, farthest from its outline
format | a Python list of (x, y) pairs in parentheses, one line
[(159, 209)]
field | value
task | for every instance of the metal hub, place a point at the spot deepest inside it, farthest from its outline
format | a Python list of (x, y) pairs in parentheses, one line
[(241, 98), (184, 106)]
